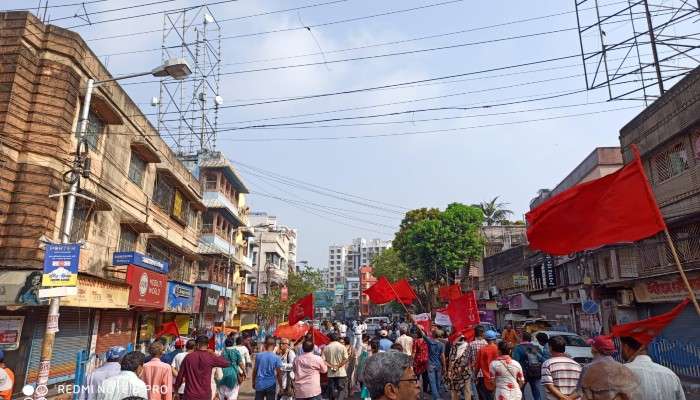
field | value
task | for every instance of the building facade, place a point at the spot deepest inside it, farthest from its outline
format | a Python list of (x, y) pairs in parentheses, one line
[(273, 255)]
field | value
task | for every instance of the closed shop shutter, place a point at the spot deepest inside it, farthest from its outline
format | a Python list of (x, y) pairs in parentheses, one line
[(73, 336), (684, 328), (116, 329), (555, 310)]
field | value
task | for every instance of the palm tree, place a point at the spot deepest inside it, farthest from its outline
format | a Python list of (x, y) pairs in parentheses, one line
[(494, 212)]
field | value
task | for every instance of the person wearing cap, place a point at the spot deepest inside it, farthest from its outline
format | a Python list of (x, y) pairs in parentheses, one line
[(384, 342), (486, 383), (7, 379), (107, 370), (605, 378), (179, 348)]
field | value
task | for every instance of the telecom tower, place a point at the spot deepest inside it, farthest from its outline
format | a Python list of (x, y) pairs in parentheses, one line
[(636, 49), (188, 109)]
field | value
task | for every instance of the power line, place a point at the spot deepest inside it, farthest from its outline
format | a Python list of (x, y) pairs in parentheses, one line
[(60, 5), (113, 10), (426, 132)]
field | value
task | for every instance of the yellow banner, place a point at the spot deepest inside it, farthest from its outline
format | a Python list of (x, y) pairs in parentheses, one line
[(96, 293)]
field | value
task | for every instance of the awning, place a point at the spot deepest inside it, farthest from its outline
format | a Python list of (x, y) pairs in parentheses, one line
[(104, 109), (135, 224), (521, 302), (145, 151), (186, 190)]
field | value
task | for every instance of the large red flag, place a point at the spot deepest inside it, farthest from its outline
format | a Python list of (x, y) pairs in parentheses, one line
[(645, 330), (451, 292), (619, 207), (319, 338), (381, 292), (463, 311), (168, 328), (291, 332), (304, 308), (404, 292)]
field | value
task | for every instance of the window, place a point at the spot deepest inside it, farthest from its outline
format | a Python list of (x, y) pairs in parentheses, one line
[(181, 207), (137, 168), (127, 239), (670, 162), (81, 221), (95, 127), (163, 194)]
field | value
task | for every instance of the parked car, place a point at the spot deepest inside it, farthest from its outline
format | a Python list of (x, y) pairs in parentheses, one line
[(374, 324), (576, 346)]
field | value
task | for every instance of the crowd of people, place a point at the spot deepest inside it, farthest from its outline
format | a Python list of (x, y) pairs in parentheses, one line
[(400, 361)]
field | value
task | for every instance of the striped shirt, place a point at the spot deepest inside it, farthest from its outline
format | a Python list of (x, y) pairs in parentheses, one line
[(472, 352), (563, 373), (657, 381)]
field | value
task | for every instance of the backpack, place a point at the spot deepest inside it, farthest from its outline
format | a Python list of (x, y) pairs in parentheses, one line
[(532, 366)]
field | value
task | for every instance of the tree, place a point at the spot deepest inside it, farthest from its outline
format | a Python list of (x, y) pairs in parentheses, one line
[(299, 284), (434, 244), (389, 265), (493, 211)]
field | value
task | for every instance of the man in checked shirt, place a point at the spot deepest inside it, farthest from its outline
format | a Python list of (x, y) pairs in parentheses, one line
[(472, 351)]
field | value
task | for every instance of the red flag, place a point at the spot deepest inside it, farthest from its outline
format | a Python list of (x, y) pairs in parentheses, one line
[(645, 330), (319, 338), (381, 292), (463, 311), (404, 292), (451, 292), (467, 332), (619, 207), (291, 332), (304, 308), (168, 328)]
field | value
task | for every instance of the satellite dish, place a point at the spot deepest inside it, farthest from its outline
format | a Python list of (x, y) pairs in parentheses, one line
[(154, 101), (208, 19), (219, 100)]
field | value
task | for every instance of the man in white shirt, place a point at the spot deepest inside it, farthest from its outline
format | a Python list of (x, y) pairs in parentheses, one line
[(109, 369), (657, 381), (245, 354), (177, 362), (360, 329), (405, 341), (342, 329), (127, 383)]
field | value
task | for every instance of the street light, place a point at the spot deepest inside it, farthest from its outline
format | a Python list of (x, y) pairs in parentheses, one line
[(177, 68)]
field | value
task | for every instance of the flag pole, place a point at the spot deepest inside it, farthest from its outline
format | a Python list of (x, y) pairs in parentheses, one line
[(677, 260), (398, 300)]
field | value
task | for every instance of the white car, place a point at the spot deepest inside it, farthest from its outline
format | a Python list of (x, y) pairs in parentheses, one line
[(374, 324), (576, 346)]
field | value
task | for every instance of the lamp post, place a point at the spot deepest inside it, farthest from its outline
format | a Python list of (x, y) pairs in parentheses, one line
[(177, 68)]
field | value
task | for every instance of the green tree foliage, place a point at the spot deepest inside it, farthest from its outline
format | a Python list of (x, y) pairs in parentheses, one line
[(299, 284), (389, 265), (432, 244), (494, 212)]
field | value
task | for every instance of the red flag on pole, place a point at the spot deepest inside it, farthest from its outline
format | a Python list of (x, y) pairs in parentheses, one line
[(463, 311), (381, 292), (304, 308), (645, 330), (291, 332), (619, 207), (451, 292), (404, 292), (168, 328), (319, 338)]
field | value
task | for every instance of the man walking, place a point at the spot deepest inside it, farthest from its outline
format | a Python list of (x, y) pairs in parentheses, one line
[(484, 358), (127, 382), (196, 370), (308, 368), (157, 375), (560, 374), (472, 353), (287, 356), (107, 370), (245, 354), (336, 357), (177, 362), (267, 372), (436, 362), (510, 335), (657, 381), (530, 358), (405, 341), (359, 329)]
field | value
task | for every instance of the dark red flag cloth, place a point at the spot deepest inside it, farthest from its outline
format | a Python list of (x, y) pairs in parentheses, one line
[(619, 207), (168, 328), (304, 308), (319, 338), (291, 332), (381, 292), (467, 332), (404, 292), (451, 292), (645, 330), (463, 311)]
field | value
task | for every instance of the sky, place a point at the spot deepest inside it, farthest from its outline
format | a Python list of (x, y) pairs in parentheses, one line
[(462, 155)]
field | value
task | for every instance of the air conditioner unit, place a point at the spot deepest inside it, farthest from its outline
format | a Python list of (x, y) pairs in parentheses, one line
[(625, 297)]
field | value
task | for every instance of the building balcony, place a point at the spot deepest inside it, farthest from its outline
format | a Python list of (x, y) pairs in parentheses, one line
[(277, 275), (247, 263), (219, 201), (210, 243)]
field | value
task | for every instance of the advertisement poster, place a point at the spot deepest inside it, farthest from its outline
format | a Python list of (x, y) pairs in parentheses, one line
[(61, 265), (141, 260), (148, 289), (10, 331), (180, 298)]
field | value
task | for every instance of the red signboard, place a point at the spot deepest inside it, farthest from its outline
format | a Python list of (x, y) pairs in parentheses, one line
[(148, 288)]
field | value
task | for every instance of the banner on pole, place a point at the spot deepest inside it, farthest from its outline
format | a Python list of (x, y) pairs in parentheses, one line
[(61, 265)]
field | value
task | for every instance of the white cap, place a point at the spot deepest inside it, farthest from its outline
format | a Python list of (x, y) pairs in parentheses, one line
[(5, 381)]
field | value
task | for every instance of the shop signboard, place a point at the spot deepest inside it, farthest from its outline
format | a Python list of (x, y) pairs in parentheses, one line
[(339, 289), (98, 293), (140, 260), (550, 276), (210, 300), (520, 280), (61, 265), (221, 304), (20, 288), (180, 298), (10, 332), (148, 288), (323, 298), (668, 289)]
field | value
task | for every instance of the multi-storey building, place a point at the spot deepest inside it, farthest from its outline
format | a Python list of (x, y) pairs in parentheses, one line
[(138, 217), (366, 281), (273, 256)]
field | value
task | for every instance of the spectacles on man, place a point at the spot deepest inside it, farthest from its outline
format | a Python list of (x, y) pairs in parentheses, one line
[(414, 379)]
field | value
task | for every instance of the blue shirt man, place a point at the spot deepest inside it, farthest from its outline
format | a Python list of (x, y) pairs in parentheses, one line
[(266, 374), (384, 342)]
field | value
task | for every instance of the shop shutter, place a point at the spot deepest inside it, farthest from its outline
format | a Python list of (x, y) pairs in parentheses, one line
[(552, 308), (116, 329), (73, 336)]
